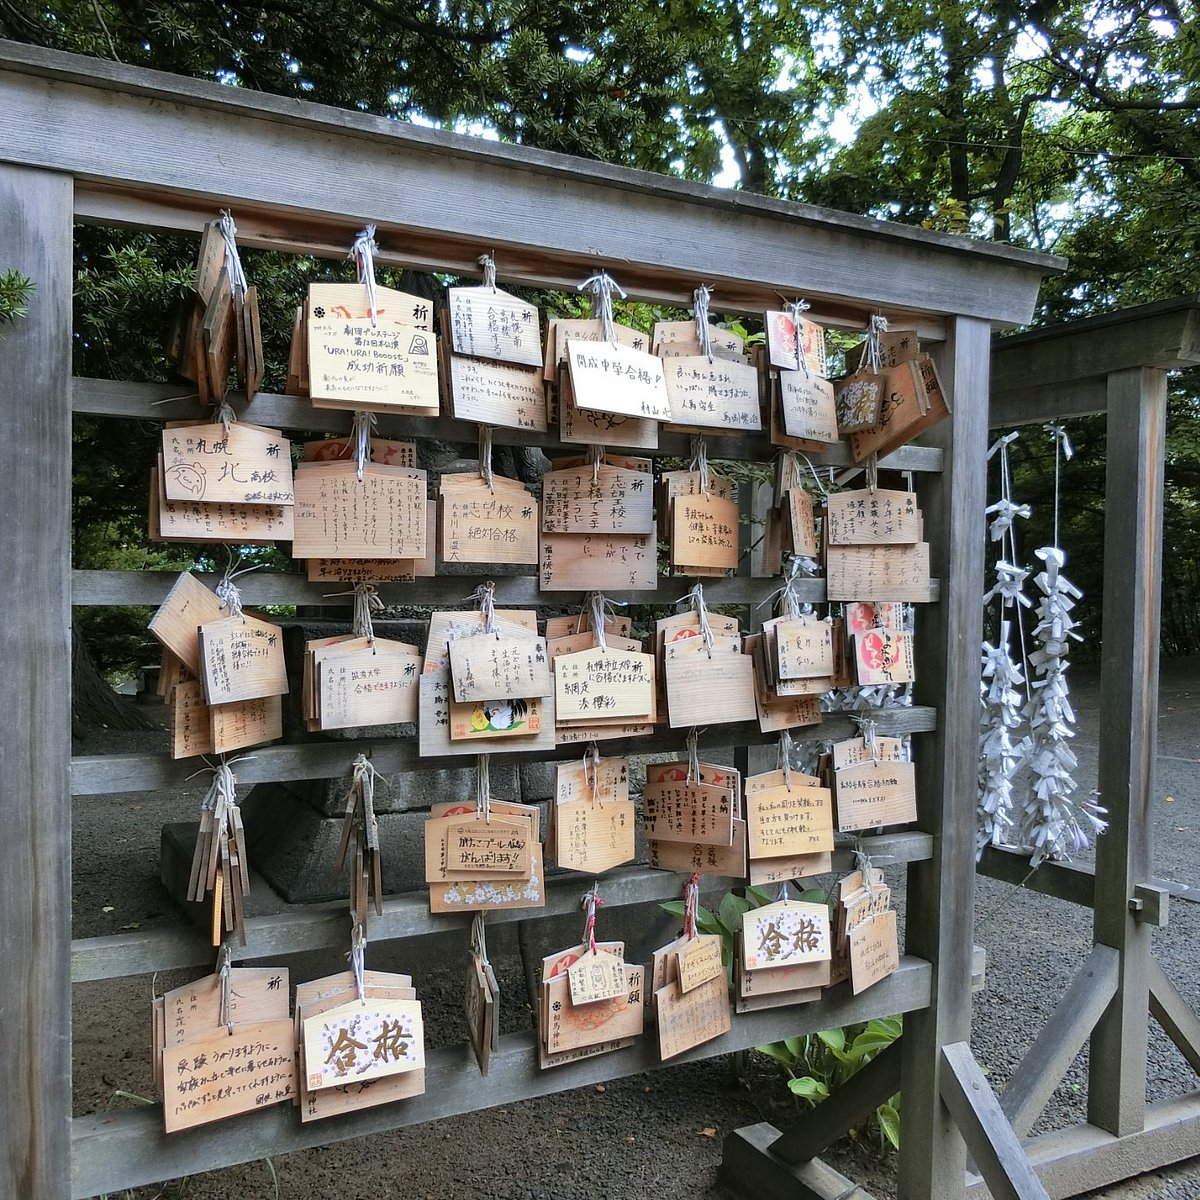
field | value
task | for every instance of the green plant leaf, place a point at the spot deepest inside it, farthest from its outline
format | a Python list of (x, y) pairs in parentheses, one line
[(779, 1052), (889, 1124), (835, 1039), (795, 1046), (759, 896), (808, 1087), (674, 907), (732, 908)]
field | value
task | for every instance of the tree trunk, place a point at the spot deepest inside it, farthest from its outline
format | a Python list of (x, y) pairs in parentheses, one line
[(93, 702)]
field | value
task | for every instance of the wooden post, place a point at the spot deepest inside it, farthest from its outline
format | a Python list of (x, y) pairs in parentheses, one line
[(35, 644), (940, 923), (1137, 408)]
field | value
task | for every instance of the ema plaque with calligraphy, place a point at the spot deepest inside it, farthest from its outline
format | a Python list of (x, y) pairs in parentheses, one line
[(612, 378), (715, 394), (246, 465), (497, 393)]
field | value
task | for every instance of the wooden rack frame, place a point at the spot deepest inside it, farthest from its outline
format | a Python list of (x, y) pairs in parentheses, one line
[(1115, 364), (87, 140)]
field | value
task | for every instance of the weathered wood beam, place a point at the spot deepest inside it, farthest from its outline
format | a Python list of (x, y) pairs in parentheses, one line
[(845, 1109), (1080, 1159), (1137, 409), (121, 1149), (989, 1137), (1062, 1037), (940, 916), (751, 1170), (1173, 1013), (1072, 882), (449, 197), (35, 648)]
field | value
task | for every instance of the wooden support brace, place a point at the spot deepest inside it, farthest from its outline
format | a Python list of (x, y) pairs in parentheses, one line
[(981, 1121), (1064, 881), (750, 1169), (846, 1108), (1062, 1037), (1172, 1012)]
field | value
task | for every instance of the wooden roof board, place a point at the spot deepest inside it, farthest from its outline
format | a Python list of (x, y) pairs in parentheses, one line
[(202, 141)]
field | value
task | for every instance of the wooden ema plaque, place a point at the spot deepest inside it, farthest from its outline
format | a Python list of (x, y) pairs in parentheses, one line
[(914, 400), (692, 813), (675, 339), (603, 683), (613, 562), (557, 627), (360, 682), (708, 686), (872, 518), (613, 378), (704, 533), (245, 723), (226, 1072), (807, 406), (497, 393), (481, 1010), (874, 951), (498, 720), (564, 329), (593, 836), (339, 516), (765, 872), (883, 656), (488, 525), (704, 858), (859, 401), (691, 1018), (568, 1026), (479, 847), (495, 667), (247, 465), (381, 570), (793, 344), (804, 648), (201, 521), (867, 614), (351, 302), (699, 960), (895, 347), (444, 728), (785, 934), (597, 975), (241, 658), (485, 322), (720, 394), (445, 627), (888, 573), (357, 1042), (600, 428), (385, 451), (190, 732), (604, 499), (783, 822), (802, 525), (875, 793), (854, 752)]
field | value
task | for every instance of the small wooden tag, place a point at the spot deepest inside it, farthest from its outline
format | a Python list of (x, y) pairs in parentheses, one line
[(495, 667), (605, 499), (385, 451), (339, 516), (604, 683), (580, 425), (700, 961), (783, 822), (688, 1019), (789, 340), (859, 401), (356, 1042), (241, 658), (872, 794), (853, 752), (497, 393), (804, 647), (504, 717), (785, 934), (612, 378), (706, 688), (210, 521), (704, 532), (479, 525), (874, 951), (187, 606), (488, 848), (596, 975), (868, 518), (594, 838), (882, 656), (364, 683), (245, 723), (564, 329), (806, 404), (728, 861), (893, 573), (713, 395), (869, 614), (190, 733), (914, 401), (486, 322), (693, 813), (670, 339), (480, 1007), (247, 465)]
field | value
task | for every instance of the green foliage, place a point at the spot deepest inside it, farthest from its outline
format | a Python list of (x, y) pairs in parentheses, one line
[(817, 1064), (16, 290)]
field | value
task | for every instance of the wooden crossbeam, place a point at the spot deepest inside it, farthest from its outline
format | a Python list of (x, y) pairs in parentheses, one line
[(749, 1168), (848, 1107), (1075, 883), (981, 1121), (1062, 1037)]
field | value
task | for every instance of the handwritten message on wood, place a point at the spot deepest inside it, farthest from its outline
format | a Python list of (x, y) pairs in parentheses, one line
[(339, 516), (486, 322), (610, 377), (865, 518), (497, 393), (878, 573), (247, 465), (604, 499), (713, 395), (598, 562)]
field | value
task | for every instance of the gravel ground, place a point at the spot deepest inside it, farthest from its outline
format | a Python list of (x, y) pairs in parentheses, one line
[(658, 1133)]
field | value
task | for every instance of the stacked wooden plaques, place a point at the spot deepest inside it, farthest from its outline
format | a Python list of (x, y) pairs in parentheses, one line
[(866, 947), (592, 819), (200, 725), (801, 397), (477, 859), (590, 1003), (703, 520), (493, 358), (783, 955), (373, 360), (709, 392), (690, 993), (482, 1005), (874, 548), (789, 826), (694, 818), (875, 783), (493, 520), (218, 325), (223, 1045), (357, 1050), (582, 426), (602, 683), (217, 485), (354, 681)]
